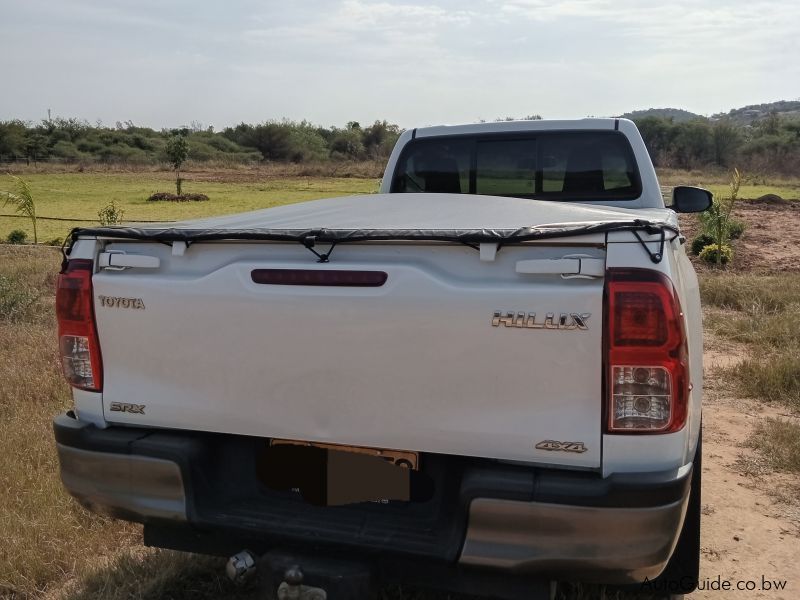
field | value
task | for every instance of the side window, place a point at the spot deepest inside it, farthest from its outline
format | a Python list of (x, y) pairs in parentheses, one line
[(440, 166), (506, 167)]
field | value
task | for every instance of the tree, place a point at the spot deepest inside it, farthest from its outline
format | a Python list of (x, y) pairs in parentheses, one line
[(379, 138), (727, 140), (693, 145), (36, 147), (22, 200), (177, 150), (717, 219), (346, 143), (658, 134), (12, 138)]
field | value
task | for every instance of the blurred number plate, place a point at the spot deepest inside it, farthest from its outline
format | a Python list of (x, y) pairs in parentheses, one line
[(400, 458)]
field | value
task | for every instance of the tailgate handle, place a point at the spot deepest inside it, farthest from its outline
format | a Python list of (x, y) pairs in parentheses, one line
[(117, 260), (568, 266)]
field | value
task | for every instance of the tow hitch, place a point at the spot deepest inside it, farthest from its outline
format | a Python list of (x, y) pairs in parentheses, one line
[(292, 587), (289, 576)]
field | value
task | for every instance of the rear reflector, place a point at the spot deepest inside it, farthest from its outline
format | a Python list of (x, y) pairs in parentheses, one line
[(319, 277), (77, 334), (647, 377)]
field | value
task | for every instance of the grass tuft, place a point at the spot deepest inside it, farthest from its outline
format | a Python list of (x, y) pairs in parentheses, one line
[(762, 312), (159, 574), (765, 329), (778, 441), (751, 293), (775, 379)]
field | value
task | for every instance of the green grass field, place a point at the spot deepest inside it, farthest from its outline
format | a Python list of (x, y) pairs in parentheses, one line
[(82, 195), (717, 182)]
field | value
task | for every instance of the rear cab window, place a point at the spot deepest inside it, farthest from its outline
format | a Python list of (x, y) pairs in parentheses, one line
[(546, 165)]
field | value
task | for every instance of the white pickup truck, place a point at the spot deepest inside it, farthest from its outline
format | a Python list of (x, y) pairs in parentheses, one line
[(484, 378)]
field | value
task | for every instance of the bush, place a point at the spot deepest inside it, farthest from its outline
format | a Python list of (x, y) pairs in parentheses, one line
[(736, 229), (17, 237), (710, 252), (55, 242), (111, 214), (700, 242)]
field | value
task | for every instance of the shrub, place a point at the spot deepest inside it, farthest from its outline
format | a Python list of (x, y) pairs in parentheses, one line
[(17, 237), (736, 229), (55, 242), (68, 151), (111, 214), (715, 254), (700, 242)]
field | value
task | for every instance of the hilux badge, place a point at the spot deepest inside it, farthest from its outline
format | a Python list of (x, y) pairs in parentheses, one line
[(521, 320)]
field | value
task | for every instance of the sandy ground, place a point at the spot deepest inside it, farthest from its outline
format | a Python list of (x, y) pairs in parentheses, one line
[(751, 523)]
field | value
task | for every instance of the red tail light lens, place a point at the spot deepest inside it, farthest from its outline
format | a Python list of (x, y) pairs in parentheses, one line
[(647, 376), (77, 333)]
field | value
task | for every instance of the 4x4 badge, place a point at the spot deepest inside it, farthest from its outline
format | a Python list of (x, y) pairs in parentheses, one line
[(556, 446)]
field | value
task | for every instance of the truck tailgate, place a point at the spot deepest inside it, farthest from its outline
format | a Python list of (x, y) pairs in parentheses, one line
[(418, 363)]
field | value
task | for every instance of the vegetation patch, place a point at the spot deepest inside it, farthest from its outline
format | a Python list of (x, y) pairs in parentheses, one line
[(716, 255), (766, 293), (167, 197), (17, 236), (160, 574), (775, 377), (778, 441), (762, 312), (17, 302)]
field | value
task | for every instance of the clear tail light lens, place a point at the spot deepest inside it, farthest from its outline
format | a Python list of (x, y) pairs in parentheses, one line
[(77, 333), (647, 376)]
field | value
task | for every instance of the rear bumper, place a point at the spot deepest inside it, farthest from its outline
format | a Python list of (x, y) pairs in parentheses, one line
[(198, 492)]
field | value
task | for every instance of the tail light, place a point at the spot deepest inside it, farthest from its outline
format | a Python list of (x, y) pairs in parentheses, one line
[(647, 377), (77, 333)]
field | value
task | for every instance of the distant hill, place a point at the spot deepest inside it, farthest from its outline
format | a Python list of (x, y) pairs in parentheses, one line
[(676, 114), (747, 114)]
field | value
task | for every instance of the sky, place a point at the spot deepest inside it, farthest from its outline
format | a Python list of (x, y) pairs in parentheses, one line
[(166, 63)]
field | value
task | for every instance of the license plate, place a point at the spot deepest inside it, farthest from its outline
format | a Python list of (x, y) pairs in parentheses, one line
[(400, 458)]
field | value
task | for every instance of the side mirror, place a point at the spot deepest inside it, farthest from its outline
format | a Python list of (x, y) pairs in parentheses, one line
[(688, 199)]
